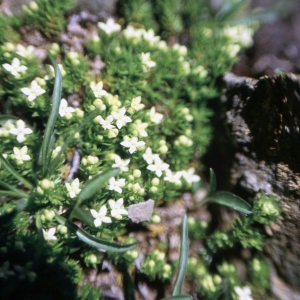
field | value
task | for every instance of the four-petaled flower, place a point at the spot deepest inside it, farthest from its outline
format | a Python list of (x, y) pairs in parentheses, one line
[(116, 185), (173, 177), (73, 188), (106, 124), (20, 130), (64, 109), (121, 163), (49, 235), (243, 293), (117, 208), (20, 155), (110, 26), (33, 91), (149, 157), (15, 68), (97, 89), (100, 216), (133, 144), (158, 167), (121, 118)]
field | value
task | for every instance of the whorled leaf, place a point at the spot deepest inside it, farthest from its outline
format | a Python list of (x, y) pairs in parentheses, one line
[(231, 200), (93, 241)]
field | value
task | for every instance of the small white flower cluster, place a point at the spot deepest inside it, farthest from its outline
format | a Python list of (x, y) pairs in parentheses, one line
[(116, 210), (18, 129), (141, 34), (239, 34)]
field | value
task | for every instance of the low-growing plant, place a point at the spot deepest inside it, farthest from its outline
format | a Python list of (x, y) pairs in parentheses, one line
[(124, 132)]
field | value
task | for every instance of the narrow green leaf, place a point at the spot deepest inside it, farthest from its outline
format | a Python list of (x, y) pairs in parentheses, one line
[(229, 9), (5, 118), (232, 201), (56, 97), (10, 168), (183, 259), (86, 121), (13, 189), (212, 182), (11, 194), (82, 215), (93, 241), (97, 182), (179, 297)]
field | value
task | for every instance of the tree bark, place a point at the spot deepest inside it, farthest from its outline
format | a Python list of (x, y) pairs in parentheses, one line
[(263, 119)]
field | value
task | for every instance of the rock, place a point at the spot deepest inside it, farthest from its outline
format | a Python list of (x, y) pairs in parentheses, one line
[(263, 117)]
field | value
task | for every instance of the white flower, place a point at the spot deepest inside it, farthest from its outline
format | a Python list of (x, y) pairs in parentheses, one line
[(33, 91), (49, 235), (20, 131), (100, 216), (97, 89), (136, 103), (154, 116), (117, 208), (243, 293), (116, 185), (189, 175), (147, 62), (20, 155), (149, 157), (15, 68), (73, 188), (173, 177), (133, 144), (133, 33), (64, 109), (139, 128), (120, 163), (121, 118), (158, 167), (110, 26), (106, 124), (25, 51)]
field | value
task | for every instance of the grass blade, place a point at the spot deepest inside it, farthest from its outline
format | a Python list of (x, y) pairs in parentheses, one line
[(93, 241), (56, 97), (232, 201), (13, 189), (10, 168), (82, 215), (183, 260)]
